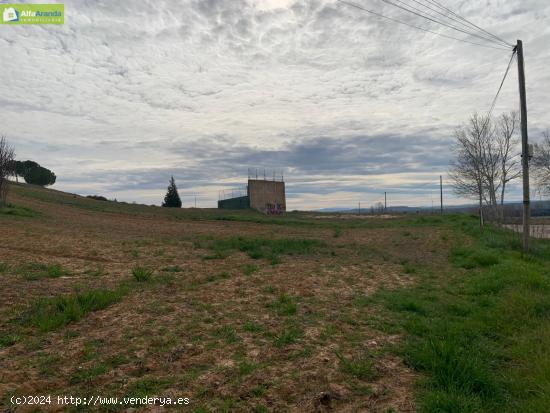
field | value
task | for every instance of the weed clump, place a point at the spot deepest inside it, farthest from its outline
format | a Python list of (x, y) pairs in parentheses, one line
[(284, 305), (288, 336), (142, 274)]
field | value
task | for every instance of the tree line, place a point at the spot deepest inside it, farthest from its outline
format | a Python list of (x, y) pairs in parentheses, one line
[(487, 158)]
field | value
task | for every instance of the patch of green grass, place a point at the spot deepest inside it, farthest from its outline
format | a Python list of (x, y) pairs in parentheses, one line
[(227, 334), (405, 302), (257, 391), (142, 274), (36, 271), (47, 364), (249, 269), (287, 336), (268, 289), (362, 367), (252, 327), (219, 276), (7, 340), (148, 386), (409, 268), (88, 374), (4, 267), (70, 334), (267, 248), (470, 258), (479, 339), (246, 367), (361, 300), (284, 305), (51, 313), (17, 211), (328, 332)]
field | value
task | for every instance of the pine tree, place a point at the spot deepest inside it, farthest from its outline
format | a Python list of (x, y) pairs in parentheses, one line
[(172, 198)]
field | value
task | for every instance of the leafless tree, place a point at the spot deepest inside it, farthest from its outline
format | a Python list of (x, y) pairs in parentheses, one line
[(377, 208), (490, 164), (507, 144), (486, 160), (7, 156), (541, 163), (468, 170)]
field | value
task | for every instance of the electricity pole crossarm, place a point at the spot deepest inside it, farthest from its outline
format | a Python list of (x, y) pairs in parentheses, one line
[(524, 147)]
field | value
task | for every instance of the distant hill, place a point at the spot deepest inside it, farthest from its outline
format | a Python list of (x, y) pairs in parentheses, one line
[(539, 208)]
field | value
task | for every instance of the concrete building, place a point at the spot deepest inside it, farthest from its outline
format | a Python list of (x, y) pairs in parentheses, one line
[(262, 195)]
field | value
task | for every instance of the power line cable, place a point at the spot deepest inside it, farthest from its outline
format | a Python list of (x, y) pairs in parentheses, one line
[(435, 20), (437, 4), (357, 6), (460, 21), (493, 104)]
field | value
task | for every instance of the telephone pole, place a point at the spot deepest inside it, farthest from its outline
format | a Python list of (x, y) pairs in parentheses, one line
[(441, 191), (524, 147)]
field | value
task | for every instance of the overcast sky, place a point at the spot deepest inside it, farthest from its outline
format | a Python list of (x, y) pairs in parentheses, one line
[(127, 93)]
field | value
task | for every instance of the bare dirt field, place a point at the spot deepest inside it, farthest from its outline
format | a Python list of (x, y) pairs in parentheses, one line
[(235, 312)]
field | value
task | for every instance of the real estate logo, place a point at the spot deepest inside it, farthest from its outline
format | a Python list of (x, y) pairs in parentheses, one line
[(10, 15), (32, 13)]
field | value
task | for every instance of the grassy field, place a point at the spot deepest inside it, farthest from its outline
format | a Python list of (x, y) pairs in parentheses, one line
[(242, 312)]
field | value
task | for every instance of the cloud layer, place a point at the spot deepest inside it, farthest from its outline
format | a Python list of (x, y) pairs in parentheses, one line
[(126, 94)]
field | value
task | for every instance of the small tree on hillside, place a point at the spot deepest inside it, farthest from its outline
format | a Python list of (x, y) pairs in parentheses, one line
[(34, 174), (172, 198), (6, 168)]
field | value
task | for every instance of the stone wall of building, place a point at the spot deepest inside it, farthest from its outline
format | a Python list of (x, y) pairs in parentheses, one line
[(267, 196)]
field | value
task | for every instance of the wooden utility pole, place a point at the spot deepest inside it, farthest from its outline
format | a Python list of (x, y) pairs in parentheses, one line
[(385, 201), (441, 191), (524, 147)]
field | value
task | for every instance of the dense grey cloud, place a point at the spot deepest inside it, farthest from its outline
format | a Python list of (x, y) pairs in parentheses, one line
[(125, 94)]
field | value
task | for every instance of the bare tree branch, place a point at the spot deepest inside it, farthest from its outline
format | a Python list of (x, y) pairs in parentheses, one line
[(7, 165), (541, 163)]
